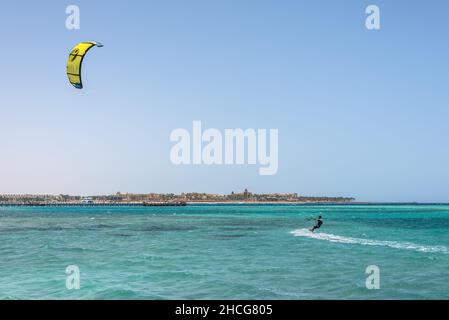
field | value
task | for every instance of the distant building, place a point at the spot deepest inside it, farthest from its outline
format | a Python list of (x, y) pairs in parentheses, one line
[(87, 200)]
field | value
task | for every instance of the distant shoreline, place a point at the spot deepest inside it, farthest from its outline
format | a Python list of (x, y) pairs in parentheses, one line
[(199, 203), (315, 203)]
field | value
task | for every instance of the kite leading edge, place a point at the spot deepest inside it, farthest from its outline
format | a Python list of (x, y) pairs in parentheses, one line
[(75, 61)]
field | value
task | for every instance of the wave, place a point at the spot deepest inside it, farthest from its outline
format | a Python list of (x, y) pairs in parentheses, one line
[(369, 242)]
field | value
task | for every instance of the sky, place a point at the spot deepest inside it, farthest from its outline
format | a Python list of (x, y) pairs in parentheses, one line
[(359, 112)]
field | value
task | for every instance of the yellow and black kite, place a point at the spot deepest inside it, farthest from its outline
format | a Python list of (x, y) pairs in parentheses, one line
[(75, 61)]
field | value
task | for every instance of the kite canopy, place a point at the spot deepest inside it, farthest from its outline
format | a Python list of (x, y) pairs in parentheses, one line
[(75, 61)]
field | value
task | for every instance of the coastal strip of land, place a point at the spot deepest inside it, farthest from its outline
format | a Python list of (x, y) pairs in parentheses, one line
[(170, 199)]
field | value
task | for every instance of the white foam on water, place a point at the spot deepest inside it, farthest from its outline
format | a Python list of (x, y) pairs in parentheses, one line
[(369, 242)]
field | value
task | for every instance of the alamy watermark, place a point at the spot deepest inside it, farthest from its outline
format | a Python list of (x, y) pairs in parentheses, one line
[(73, 278), (372, 21), (73, 19), (233, 147), (373, 280)]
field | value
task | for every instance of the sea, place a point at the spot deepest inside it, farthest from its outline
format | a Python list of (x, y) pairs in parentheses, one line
[(225, 252)]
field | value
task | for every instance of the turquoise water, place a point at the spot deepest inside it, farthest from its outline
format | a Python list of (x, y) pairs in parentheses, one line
[(225, 252)]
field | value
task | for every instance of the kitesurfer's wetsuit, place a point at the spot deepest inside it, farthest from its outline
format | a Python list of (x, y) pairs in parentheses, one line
[(319, 222)]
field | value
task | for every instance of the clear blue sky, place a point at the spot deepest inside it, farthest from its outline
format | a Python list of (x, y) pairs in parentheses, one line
[(359, 113)]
